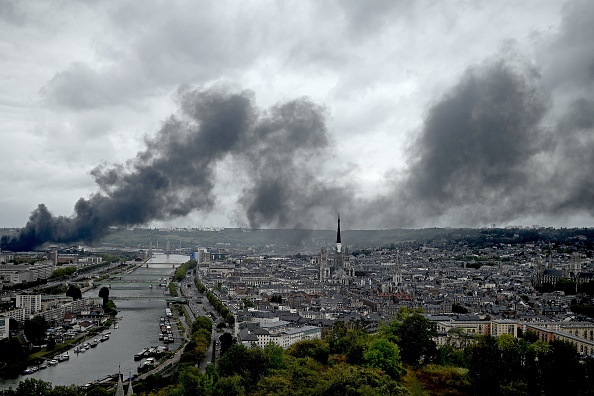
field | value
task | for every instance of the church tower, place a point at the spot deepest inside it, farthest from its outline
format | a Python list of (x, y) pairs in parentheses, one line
[(335, 266), (338, 256), (575, 264)]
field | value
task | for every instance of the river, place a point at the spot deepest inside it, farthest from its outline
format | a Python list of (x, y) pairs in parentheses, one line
[(137, 329)]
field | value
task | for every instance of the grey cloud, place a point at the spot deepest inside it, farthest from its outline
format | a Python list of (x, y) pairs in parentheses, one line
[(284, 156), (80, 87), (568, 59), (363, 18), (572, 182), (175, 174), (12, 11), (476, 147)]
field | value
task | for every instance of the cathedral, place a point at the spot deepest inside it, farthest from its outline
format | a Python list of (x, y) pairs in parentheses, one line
[(550, 274), (335, 266)]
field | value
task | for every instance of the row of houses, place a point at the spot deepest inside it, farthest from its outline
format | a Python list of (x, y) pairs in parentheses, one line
[(24, 273), (57, 310), (459, 331)]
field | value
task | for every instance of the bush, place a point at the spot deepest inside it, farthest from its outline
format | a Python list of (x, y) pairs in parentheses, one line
[(438, 377)]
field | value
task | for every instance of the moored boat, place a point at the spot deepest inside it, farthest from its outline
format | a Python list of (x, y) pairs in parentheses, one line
[(63, 357), (30, 370), (140, 354)]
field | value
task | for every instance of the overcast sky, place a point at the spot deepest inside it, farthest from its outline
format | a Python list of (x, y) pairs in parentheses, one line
[(395, 113)]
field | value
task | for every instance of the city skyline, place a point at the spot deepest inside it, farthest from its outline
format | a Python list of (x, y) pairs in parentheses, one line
[(281, 115)]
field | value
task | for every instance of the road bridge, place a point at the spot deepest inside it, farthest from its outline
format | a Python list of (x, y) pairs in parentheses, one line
[(180, 300), (173, 265), (116, 281)]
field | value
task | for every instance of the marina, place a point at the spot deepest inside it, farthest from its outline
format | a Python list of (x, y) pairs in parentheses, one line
[(135, 329)]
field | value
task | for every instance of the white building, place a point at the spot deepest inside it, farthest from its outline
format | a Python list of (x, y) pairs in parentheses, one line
[(17, 314), (283, 336), (21, 273), (31, 303), (4, 327)]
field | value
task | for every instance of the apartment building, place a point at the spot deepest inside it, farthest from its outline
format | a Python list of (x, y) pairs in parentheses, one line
[(283, 338), (31, 303), (4, 327)]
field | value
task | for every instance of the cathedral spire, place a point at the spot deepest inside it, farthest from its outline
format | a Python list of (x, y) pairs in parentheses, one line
[(338, 243), (120, 385)]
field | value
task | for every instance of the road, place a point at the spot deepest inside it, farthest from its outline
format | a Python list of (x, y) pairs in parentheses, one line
[(194, 309), (199, 306)]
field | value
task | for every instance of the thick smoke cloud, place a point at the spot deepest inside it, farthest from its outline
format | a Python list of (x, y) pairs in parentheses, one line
[(512, 139), (477, 147), (279, 151)]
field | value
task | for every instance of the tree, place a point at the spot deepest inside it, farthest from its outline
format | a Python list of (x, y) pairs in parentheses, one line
[(230, 319), (315, 349), (562, 371), (226, 341), (202, 323), (229, 386), (111, 308), (32, 386), (447, 355), (414, 336), (66, 390), (35, 329), (193, 382), (536, 354), (335, 335), (485, 365), (530, 336), (249, 363), (275, 355), (566, 285), (74, 292), (513, 356), (354, 380), (275, 385), (12, 351), (60, 272), (384, 355), (347, 341), (104, 294)]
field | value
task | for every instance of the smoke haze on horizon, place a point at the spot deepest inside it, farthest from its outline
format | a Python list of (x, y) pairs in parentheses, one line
[(508, 140)]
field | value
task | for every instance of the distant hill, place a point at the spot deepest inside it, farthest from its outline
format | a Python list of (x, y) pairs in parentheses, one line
[(300, 240), (246, 238)]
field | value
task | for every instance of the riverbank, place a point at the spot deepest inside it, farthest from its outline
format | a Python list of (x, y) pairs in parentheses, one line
[(140, 308)]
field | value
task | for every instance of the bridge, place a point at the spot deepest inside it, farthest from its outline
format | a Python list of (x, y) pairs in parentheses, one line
[(180, 300), (115, 282), (149, 264)]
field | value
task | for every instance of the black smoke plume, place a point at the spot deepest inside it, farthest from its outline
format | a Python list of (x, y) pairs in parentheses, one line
[(276, 152), (476, 151), (511, 140)]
